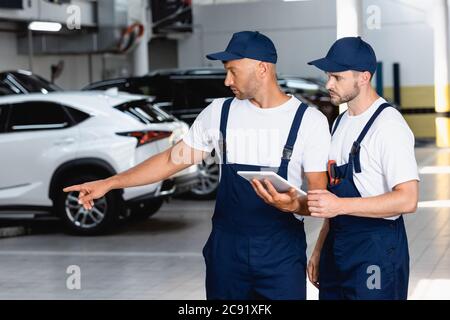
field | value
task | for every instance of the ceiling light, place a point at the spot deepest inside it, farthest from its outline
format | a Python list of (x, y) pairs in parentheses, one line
[(45, 26)]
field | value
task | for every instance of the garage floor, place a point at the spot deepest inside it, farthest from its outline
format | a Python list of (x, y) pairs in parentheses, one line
[(161, 258)]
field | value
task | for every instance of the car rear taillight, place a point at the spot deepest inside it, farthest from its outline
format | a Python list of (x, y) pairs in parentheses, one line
[(144, 137)]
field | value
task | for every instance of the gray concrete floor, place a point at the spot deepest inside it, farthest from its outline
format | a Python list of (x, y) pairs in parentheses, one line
[(161, 258)]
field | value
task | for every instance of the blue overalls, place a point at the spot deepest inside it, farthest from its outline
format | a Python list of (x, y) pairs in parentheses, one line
[(254, 251), (362, 258)]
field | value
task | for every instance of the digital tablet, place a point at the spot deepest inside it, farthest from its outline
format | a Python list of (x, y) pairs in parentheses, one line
[(280, 184)]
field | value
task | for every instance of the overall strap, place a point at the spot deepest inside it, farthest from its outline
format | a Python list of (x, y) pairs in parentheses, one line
[(292, 137), (223, 128), (336, 124), (357, 144)]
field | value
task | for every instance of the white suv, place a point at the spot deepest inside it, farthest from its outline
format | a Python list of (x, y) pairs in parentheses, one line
[(51, 141)]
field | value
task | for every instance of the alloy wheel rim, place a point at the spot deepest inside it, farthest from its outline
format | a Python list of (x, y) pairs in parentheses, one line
[(82, 218), (209, 179)]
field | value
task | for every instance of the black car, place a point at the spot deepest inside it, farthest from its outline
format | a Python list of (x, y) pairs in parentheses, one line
[(185, 93), (23, 82), (311, 91)]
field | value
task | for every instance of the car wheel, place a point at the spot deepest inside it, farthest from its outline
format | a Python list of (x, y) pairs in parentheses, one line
[(77, 220), (148, 209), (209, 174)]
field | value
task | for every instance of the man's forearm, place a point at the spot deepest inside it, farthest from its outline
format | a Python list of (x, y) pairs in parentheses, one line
[(156, 168), (322, 235), (382, 206), (316, 180)]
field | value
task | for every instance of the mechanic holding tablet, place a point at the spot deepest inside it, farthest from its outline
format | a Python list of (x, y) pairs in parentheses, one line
[(256, 250), (362, 250)]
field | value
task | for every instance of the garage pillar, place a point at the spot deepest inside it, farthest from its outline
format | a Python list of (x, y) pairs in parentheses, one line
[(441, 72), (348, 18), (140, 53), (348, 23)]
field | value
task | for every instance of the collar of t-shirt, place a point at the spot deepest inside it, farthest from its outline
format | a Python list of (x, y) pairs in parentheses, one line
[(280, 108), (367, 113)]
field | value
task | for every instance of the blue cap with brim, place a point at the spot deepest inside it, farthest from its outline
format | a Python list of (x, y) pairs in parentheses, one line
[(349, 53), (224, 56), (247, 44)]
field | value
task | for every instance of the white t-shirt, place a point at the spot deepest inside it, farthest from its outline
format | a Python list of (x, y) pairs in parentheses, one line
[(387, 151), (256, 136)]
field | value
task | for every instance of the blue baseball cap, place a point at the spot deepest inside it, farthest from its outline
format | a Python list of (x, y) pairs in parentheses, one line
[(349, 53), (247, 44)]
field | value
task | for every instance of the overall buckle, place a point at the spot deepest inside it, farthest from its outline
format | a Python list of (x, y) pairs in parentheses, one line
[(355, 153), (355, 148), (287, 153)]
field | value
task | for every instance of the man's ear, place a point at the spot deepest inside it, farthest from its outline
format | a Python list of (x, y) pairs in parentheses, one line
[(365, 77), (263, 68)]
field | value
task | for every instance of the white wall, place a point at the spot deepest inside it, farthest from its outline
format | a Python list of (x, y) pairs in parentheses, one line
[(405, 37), (75, 70), (42, 10), (76, 67), (292, 26), (303, 31), (162, 54)]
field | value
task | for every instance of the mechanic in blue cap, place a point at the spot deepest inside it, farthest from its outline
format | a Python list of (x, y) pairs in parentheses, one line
[(257, 247), (362, 250)]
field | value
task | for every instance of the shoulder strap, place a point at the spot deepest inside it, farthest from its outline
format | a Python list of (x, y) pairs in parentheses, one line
[(223, 128), (293, 133), (357, 144), (292, 138), (336, 124)]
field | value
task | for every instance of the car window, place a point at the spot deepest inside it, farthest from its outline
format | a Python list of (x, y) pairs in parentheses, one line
[(107, 84), (202, 91), (179, 95), (3, 112), (77, 115), (156, 86), (5, 89), (302, 86), (146, 89), (34, 83), (37, 116), (145, 112)]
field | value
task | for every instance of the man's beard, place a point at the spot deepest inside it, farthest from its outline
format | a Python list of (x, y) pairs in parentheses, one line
[(337, 100), (243, 96), (247, 93)]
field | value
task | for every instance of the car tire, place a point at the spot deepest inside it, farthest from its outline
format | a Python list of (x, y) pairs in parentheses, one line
[(150, 208), (76, 220), (206, 188)]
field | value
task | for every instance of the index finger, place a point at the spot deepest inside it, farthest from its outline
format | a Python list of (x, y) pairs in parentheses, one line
[(72, 188), (256, 190), (262, 190)]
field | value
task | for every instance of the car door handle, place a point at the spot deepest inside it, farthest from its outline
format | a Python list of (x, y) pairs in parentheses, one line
[(64, 141)]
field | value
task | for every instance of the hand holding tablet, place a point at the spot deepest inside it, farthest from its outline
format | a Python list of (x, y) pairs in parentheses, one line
[(279, 183)]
